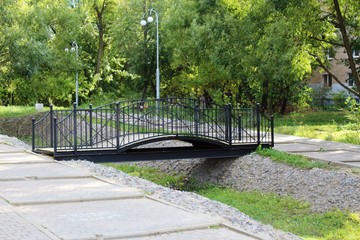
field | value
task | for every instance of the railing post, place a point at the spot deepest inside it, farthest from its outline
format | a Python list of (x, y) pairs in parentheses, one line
[(229, 111), (91, 124), (117, 119), (258, 123), (51, 126), (272, 131), (33, 134), (239, 127), (196, 120), (228, 123), (55, 135), (75, 130)]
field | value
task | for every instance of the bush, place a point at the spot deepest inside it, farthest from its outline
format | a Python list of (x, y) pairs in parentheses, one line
[(339, 99)]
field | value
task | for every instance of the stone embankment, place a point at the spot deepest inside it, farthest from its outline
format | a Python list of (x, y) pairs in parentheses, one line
[(323, 189)]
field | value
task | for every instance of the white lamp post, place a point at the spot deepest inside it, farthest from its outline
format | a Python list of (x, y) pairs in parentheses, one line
[(75, 48), (143, 23)]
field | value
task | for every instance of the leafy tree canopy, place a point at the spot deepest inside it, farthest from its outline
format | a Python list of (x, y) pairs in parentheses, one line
[(237, 51)]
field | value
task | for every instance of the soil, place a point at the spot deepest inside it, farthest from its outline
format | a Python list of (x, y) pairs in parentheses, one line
[(18, 127)]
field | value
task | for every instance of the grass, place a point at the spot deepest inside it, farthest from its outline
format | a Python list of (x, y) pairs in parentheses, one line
[(174, 181), (295, 160), (337, 126), (17, 111), (288, 214), (284, 213)]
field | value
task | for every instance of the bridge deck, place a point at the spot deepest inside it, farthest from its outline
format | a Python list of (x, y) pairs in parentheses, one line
[(168, 153)]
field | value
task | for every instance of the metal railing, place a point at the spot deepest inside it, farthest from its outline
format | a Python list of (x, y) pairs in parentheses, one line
[(124, 124)]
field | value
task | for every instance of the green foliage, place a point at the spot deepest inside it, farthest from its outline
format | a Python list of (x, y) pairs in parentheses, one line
[(320, 97), (240, 52), (295, 160), (354, 108), (339, 99)]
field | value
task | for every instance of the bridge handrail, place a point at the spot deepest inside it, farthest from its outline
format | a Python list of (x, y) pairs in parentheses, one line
[(113, 125)]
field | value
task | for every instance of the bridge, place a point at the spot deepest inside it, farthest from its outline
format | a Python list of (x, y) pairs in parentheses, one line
[(133, 130)]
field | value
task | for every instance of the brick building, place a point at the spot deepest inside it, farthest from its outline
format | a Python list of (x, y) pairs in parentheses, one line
[(321, 79)]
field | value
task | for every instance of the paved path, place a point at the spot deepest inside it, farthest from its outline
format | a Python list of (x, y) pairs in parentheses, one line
[(332, 152), (44, 199)]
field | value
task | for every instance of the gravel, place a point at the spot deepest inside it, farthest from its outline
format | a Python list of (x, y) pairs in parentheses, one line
[(14, 141)]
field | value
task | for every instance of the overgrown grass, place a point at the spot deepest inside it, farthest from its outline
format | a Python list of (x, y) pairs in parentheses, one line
[(295, 160), (338, 126), (174, 181), (17, 111), (21, 111), (283, 213)]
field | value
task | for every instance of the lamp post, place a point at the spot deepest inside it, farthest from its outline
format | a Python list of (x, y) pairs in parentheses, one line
[(75, 48), (143, 23)]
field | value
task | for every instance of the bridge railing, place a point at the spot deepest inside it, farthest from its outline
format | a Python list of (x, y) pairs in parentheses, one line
[(123, 124)]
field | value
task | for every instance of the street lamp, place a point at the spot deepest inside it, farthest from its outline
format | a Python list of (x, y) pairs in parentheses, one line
[(75, 48), (143, 23)]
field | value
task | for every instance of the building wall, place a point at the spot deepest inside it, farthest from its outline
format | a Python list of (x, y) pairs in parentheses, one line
[(338, 69)]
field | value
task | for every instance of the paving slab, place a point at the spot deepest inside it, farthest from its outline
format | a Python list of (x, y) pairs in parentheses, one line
[(10, 148), (22, 157), (5, 207), (14, 227), (285, 139), (298, 147), (114, 219), (63, 190), (354, 164), (332, 145), (334, 156), (203, 234), (280, 138), (45, 170)]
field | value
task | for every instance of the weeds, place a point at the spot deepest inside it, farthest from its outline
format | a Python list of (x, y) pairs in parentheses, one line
[(292, 159)]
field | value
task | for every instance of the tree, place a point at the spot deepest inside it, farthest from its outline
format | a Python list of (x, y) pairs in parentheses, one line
[(238, 51), (276, 63), (336, 24)]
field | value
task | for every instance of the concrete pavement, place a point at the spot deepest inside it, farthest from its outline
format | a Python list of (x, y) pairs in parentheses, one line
[(44, 199), (332, 152)]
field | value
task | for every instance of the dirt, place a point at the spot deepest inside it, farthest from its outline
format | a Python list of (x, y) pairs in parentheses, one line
[(19, 127)]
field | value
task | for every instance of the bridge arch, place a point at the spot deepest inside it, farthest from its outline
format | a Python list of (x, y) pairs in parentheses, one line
[(188, 142)]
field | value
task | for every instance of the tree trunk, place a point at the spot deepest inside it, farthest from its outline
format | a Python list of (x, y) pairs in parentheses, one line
[(283, 106), (265, 95), (347, 45), (101, 28)]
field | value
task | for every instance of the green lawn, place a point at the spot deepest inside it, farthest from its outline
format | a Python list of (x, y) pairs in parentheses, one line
[(17, 111), (338, 126), (295, 160)]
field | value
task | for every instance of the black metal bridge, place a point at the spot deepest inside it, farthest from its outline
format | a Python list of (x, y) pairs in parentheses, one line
[(136, 130)]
